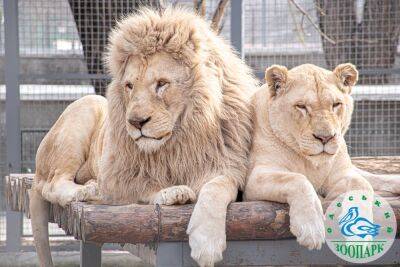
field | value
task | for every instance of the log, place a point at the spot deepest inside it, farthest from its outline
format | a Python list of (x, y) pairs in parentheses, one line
[(379, 165), (149, 224)]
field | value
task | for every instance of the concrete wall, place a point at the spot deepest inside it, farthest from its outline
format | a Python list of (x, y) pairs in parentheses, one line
[(47, 66)]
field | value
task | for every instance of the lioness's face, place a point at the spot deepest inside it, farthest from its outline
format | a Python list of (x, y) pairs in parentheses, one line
[(154, 90), (313, 108)]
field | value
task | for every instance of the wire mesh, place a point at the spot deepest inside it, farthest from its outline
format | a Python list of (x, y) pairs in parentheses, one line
[(2, 135), (61, 39), (62, 44), (330, 32)]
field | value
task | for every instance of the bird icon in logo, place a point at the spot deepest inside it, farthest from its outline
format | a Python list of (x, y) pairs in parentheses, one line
[(353, 225)]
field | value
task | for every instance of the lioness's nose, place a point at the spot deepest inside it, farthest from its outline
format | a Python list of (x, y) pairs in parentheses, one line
[(324, 138), (139, 122)]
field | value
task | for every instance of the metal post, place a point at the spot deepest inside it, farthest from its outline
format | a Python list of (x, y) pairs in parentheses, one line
[(264, 22), (169, 254), (13, 134), (237, 26), (90, 255)]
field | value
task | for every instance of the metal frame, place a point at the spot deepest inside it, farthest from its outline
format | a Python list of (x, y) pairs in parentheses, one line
[(13, 133), (90, 255), (237, 26), (262, 253), (245, 253), (249, 253), (264, 21), (170, 254), (13, 78)]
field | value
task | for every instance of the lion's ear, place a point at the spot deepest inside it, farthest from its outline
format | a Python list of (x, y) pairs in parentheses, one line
[(347, 74), (276, 77)]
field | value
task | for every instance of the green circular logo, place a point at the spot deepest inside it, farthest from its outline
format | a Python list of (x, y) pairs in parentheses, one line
[(360, 227)]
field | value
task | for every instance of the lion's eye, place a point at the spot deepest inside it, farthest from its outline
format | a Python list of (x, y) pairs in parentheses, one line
[(161, 85), (129, 86)]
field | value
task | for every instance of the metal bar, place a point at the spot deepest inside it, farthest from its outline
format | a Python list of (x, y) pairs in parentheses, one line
[(260, 74), (90, 255), (13, 134), (264, 22), (237, 27), (65, 76), (169, 254), (34, 130), (379, 71), (283, 252)]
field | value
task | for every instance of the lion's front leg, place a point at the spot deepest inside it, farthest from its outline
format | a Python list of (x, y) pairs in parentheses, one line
[(206, 230)]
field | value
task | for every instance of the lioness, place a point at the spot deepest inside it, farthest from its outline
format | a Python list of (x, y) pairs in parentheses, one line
[(176, 126), (298, 149)]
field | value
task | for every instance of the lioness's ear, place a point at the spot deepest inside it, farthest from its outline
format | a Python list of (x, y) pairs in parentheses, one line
[(276, 77), (347, 74)]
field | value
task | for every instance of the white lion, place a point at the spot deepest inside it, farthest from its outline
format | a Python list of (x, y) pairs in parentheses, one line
[(176, 126)]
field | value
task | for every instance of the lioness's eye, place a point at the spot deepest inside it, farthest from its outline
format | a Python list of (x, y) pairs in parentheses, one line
[(336, 105), (302, 107), (129, 86), (161, 84)]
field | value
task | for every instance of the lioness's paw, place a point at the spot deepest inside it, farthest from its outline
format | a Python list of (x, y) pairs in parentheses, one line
[(308, 225), (206, 249), (392, 185), (207, 238), (180, 194)]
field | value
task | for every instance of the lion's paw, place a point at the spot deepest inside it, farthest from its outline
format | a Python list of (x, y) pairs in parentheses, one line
[(308, 226), (207, 238), (86, 192), (89, 191), (179, 194)]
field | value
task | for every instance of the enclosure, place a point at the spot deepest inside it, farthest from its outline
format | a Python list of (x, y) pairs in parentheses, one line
[(51, 54)]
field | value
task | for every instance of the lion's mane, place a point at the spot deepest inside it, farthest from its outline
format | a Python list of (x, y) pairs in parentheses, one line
[(214, 135)]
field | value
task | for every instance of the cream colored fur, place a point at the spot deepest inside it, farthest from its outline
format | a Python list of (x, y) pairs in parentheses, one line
[(298, 152), (189, 93)]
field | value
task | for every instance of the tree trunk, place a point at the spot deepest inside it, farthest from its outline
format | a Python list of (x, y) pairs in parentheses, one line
[(370, 45)]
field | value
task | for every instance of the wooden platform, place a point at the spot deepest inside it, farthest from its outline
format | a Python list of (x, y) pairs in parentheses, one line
[(152, 224)]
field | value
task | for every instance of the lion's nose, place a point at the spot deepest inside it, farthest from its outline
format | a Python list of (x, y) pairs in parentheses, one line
[(324, 138), (139, 122)]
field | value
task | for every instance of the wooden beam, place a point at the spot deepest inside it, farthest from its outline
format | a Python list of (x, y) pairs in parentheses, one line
[(378, 165), (149, 223), (154, 224)]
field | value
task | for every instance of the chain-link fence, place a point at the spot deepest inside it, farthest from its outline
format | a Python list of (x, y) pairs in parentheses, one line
[(62, 43)]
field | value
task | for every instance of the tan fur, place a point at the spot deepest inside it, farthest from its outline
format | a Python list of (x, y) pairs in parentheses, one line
[(196, 140), (294, 112)]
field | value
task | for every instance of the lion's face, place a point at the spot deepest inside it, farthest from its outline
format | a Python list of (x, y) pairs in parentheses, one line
[(310, 107), (155, 95)]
